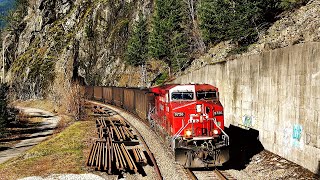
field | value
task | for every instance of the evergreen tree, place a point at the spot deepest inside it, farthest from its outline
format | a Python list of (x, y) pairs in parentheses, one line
[(230, 19), (3, 107), (136, 52), (168, 36)]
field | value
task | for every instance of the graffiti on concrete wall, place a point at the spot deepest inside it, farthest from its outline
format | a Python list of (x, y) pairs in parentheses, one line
[(296, 135), (248, 121), (297, 130), (292, 138)]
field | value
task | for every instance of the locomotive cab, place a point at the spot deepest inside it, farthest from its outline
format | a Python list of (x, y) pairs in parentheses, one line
[(192, 116)]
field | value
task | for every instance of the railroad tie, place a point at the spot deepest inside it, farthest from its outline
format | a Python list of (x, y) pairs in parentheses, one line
[(143, 157)]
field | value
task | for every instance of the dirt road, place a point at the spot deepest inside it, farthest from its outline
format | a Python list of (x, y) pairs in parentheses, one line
[(46, 129)]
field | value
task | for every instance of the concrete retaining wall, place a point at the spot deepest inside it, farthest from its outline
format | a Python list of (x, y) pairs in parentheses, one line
[(275, 92)]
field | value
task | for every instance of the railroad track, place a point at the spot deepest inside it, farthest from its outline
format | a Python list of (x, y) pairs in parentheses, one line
[(213, 174), (118, 146)]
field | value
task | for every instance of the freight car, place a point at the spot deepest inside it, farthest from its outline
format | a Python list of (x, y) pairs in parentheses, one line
[(134, 100), (191, 115)]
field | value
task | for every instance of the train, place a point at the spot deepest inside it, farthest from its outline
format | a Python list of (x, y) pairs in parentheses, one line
[(189, 116)]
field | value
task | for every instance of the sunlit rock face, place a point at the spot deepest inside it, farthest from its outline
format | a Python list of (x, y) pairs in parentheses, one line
[(65, 39)]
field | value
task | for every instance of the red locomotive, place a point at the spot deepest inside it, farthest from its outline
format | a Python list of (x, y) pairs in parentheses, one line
[(192, 116)]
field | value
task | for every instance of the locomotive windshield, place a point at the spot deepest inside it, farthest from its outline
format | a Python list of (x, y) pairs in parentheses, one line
[(182, 96), (207, 95)]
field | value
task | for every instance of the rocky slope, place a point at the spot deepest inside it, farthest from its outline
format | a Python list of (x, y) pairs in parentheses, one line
[(63, 40)]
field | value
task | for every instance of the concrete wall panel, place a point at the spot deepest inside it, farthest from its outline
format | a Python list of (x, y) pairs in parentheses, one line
[(279, 91)]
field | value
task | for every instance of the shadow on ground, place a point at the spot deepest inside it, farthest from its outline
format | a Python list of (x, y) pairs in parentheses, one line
[(244, 144), (318, 171), (27, 132), (22, 129)]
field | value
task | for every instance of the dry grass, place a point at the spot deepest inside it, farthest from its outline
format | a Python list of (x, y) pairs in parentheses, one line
[(66, 152), (67, 118), (64, 122), (44, 104), (27, 119)]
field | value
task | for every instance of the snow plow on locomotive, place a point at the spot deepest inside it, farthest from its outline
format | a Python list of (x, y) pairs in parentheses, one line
[(189, 115), (192, 116)]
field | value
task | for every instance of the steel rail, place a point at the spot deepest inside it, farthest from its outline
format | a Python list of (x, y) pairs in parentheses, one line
[(150, 154), (220, 175), (191, 174)]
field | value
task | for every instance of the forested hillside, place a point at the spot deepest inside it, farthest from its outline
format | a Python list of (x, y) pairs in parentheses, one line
[(129, 43)]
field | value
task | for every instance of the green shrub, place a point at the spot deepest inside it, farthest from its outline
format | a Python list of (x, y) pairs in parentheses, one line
[(290, 4), (161, 79), (12, 19)]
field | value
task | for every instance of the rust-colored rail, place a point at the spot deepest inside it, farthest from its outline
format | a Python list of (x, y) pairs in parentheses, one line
[(150, 154), (191, 174), (220, 175), (215, 174)]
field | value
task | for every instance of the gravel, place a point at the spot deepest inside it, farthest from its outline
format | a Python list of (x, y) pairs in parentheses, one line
[(66, 177), (267, 165)]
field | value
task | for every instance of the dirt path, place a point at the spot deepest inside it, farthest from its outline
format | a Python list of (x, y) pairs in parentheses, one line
[(46, 129)]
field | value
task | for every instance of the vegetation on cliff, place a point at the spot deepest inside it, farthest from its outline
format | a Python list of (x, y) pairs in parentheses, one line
[(238, 20), (173, 27)]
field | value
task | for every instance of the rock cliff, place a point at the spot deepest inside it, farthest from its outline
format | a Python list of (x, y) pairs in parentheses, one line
[(64, 39)]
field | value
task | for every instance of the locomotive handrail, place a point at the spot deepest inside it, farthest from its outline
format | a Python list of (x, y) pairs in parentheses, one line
[(177, 134), (151, 110), (224, 133)]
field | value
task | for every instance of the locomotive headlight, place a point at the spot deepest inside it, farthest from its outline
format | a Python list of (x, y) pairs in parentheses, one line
[(199, 108), (215, 131), (188, 133)]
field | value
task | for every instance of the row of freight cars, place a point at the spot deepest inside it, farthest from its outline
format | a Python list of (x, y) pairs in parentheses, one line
[(134, 100)]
